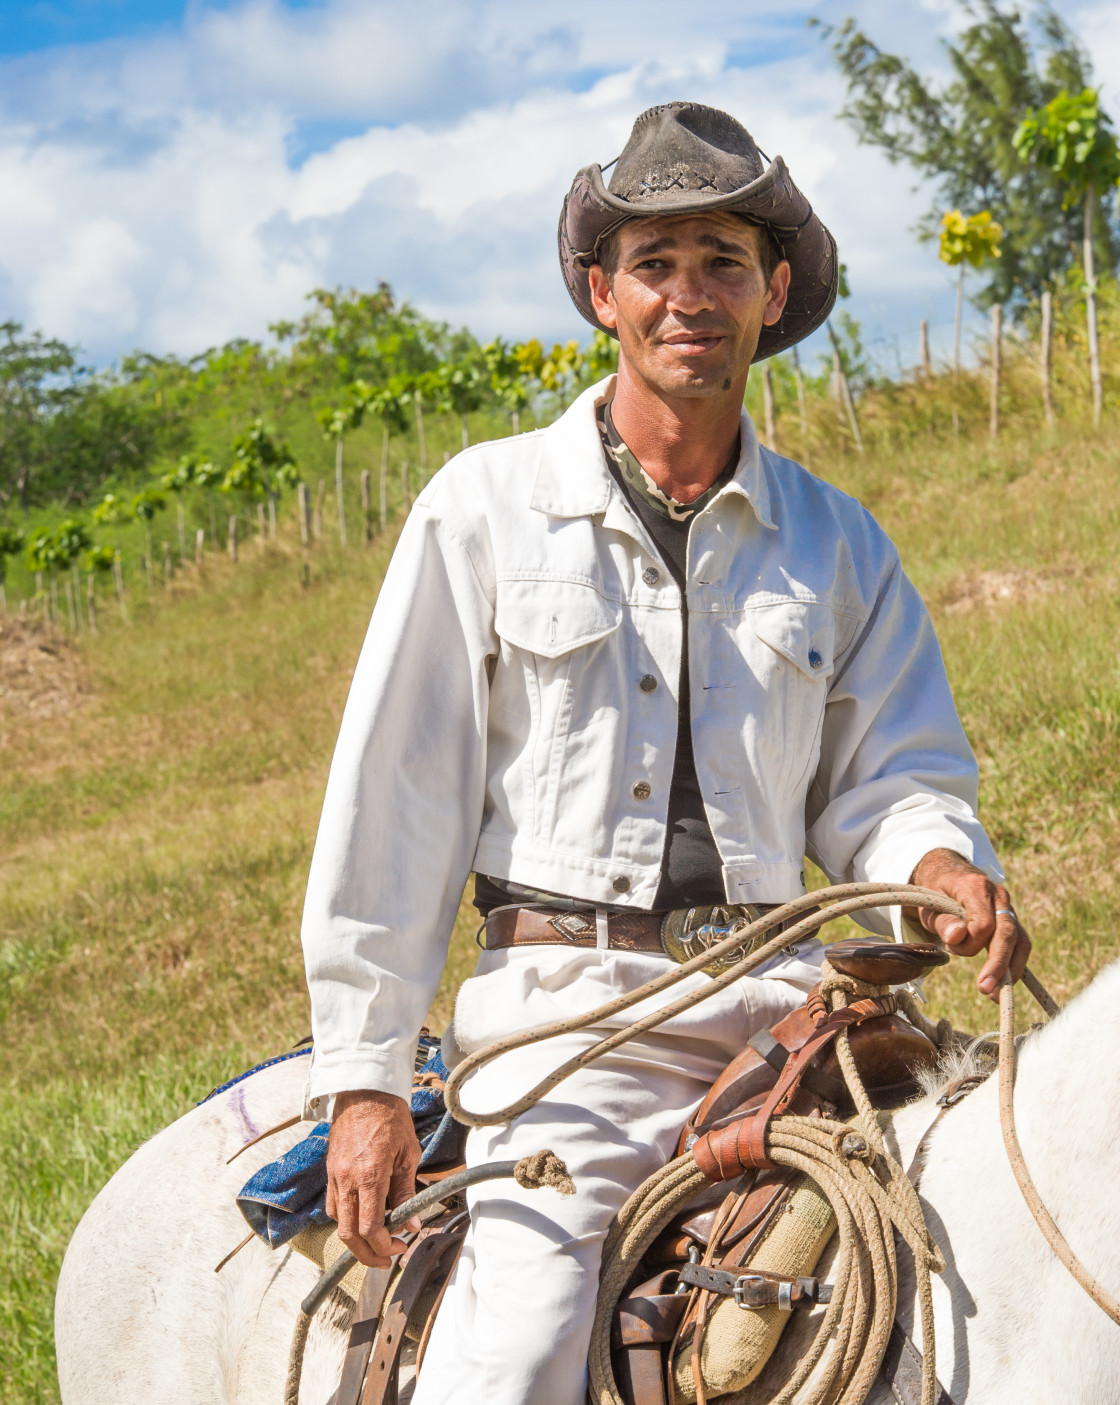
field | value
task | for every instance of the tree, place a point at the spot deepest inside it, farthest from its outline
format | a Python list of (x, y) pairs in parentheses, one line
[(961, 135), (392, 404), (37, 378), (261, 467), (460, 388), (966, 240), (507, 379), (335, 422), (11, 544), (177, 481), (1072, 138), (145, 505)]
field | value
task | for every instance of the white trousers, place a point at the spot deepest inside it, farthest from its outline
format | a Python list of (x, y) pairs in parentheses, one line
[(516, 1320)]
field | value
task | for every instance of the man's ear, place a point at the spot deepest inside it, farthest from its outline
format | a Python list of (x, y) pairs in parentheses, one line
[(602, 299), (779, 292)]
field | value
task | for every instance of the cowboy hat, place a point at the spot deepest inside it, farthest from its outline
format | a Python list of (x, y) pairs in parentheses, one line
[(683, 158)]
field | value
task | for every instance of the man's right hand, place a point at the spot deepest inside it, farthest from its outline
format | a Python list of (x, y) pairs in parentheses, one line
[(371, 1167)]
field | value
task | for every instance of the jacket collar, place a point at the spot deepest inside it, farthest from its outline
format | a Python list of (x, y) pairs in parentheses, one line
[(573, 480)]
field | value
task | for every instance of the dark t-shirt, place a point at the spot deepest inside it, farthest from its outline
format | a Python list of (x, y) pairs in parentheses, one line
[(691, 868)]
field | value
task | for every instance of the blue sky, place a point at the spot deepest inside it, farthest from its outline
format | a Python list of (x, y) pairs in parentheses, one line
[(174, 175)]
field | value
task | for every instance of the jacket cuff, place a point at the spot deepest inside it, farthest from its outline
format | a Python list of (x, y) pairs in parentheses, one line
[(892, 858), (355, 1070)]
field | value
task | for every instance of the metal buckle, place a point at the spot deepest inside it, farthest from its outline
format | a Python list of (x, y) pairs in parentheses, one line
[(785, 1292), (960, 1088), (740, 1286), (689, 932)]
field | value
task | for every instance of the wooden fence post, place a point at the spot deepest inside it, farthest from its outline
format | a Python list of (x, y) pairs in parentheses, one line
[(231, 539), (383, 486), (303, 512), (272, 517), (845, 389), (199, 545), (802, 406), (167, 563), (118, 581), (367, 510), (182, 516), (421, 442), (69, 588), (260, 527), (317, 520), (1091, 304), (1045, 354), (768, 405), (997, 367), (339, 495), (406, 497), (923, 348), (91, 602)]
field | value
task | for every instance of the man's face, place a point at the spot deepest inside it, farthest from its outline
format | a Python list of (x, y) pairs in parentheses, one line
[(688, 300)]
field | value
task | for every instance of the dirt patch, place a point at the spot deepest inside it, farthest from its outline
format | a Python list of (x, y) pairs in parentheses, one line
[(992, 589), (40, 675)]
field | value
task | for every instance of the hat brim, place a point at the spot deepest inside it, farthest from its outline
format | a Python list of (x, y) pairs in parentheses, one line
[(591, 211)]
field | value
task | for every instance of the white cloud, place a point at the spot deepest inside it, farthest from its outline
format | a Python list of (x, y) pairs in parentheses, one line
[(149, 197)]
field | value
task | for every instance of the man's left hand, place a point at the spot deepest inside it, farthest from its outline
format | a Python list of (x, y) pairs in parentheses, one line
[(991, 922)]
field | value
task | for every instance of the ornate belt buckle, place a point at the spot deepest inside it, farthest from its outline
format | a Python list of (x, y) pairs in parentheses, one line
[(687, 932)]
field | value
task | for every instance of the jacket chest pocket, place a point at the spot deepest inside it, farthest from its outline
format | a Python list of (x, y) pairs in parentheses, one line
[(555, 635), (792, 654)]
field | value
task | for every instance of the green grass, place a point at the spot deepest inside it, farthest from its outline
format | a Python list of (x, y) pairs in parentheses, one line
[(154, 838)]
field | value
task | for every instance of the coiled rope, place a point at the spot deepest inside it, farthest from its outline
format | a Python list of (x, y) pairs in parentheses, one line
[(872, 1200)]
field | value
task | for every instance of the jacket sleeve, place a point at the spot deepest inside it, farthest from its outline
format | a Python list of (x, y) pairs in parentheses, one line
[(896, 776), (401, 814)]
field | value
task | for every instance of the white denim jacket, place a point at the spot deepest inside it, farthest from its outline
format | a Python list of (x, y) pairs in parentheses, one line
[(519, 681)]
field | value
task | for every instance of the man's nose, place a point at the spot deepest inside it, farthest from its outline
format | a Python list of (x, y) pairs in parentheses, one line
[(689, 293)]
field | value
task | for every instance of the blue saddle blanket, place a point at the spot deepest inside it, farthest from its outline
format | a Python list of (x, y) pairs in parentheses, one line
[(289, 1194)]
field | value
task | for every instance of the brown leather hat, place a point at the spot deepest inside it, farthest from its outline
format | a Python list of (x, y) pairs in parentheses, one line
[(683, 158)]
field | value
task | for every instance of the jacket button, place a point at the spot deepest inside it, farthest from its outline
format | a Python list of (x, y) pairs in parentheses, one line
[(647, 682), (651, 575), (621, 885), (641, 791), (815, 659)]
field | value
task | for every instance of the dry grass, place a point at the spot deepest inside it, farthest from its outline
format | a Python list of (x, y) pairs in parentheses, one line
[(162, 785)]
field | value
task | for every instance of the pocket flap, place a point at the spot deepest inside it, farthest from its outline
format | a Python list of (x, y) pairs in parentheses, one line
[(802, 631), (551, 618)]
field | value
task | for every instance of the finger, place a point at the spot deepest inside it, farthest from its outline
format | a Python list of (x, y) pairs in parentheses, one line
[(1022, 954), (1000, 951), (349, 1232), (402, 1185), (951, 930), (332, 1198)]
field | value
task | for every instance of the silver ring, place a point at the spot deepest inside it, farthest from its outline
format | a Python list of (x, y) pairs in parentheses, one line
[(1007, 912)]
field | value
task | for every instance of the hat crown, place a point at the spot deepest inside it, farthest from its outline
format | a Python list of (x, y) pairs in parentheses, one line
[(684, 146)]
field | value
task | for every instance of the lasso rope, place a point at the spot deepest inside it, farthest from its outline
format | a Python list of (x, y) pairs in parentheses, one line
[(1053, 1235), (845, 898)]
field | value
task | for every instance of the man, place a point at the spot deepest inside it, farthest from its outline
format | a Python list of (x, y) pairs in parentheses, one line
[(620, 668)]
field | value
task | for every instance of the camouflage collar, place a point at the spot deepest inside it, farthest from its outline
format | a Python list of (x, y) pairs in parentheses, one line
[(639, 481)]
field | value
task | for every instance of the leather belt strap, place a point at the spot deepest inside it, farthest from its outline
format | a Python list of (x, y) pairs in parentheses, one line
[(626, 931), (756, 1289), (525, 926)]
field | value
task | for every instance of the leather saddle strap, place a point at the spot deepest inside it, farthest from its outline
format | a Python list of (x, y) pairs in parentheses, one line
[(429, 1254), (363, 1329), (742, 1145), (756, 1288), (643, 1324), (902, 1371)]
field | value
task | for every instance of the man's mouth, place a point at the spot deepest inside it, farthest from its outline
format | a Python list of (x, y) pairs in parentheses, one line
[(693, 343)]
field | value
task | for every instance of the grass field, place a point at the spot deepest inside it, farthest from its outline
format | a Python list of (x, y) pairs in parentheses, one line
[(161, 788)]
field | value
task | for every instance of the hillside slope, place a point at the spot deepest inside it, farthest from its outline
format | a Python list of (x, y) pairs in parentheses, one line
[(162, 784)]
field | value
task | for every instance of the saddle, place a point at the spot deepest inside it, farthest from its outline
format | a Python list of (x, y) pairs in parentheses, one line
[(716, 1289), (718, 1286)]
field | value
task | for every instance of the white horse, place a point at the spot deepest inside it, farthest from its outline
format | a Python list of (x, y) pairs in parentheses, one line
[(142, 1318)]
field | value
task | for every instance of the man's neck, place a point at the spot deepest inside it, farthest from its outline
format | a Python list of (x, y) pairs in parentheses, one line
[(683, 443)]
